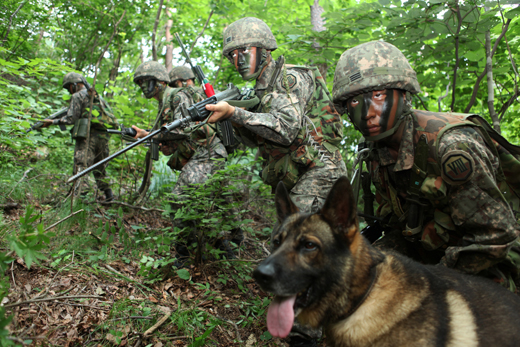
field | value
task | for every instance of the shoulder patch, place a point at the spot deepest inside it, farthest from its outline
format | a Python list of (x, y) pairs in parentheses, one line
[(291, 81), (176, 100), (457, 167)]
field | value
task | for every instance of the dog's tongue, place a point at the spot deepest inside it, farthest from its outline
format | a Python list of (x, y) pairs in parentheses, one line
[(280, 316)]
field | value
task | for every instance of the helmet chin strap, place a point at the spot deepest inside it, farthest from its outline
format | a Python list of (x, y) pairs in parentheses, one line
[(260, 67), (389, 132)]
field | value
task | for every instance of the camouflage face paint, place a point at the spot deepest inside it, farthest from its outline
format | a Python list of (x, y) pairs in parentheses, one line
[(247, 61), (149, 87), (375, 112)]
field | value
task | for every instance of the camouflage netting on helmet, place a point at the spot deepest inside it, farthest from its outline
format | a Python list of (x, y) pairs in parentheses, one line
[(72, 77), (371, 66), (151, 69), (248, 31), (181, 73)]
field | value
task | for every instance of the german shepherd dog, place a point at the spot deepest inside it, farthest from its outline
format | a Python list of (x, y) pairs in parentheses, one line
[(326, 273)]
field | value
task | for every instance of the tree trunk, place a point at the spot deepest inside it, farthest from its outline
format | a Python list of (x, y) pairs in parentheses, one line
[(490, 84), (115, 70), (318, 24), (154, 34), (169, 45)]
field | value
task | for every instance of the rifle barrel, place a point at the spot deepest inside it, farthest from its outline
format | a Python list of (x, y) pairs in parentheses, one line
[(107, 159)]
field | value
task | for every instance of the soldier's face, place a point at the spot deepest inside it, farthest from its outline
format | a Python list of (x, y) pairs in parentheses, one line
[(246, 61), (375, 112), (149, 87)]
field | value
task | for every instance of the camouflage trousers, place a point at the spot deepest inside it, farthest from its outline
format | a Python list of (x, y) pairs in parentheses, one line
[(196, 171), (312, 188), (97, 151)]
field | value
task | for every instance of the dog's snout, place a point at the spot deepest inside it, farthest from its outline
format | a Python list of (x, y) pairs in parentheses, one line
[(264, 273)]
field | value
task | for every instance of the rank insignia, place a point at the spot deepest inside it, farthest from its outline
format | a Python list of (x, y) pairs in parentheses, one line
[(457, 167)]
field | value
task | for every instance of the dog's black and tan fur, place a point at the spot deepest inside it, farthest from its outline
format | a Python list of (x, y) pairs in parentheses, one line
[(364, 297)]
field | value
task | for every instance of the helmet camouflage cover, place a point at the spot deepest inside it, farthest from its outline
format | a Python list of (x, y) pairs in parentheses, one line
[(151, 69), (375, 65), (248, 31), (72, 77), (181, 73)]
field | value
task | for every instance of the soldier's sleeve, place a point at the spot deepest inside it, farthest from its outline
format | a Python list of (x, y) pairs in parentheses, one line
[(173, 113), (74, 111), (479, 211), (283, 109)]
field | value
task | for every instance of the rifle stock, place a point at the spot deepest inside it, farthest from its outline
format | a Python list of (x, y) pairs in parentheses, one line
[(55, 115)]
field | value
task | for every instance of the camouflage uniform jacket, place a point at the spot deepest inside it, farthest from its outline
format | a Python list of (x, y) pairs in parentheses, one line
[(295, 126), (194, 141), (79, 108), (466, 218)]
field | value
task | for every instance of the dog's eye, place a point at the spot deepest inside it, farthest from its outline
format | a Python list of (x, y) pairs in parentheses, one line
[(310, 245)]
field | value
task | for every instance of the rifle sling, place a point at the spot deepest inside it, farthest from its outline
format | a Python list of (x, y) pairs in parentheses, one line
[(247, 104)]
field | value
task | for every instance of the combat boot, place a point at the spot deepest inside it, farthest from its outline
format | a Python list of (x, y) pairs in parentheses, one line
[(109, 196)]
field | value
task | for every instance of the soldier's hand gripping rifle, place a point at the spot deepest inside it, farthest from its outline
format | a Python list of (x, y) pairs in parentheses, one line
[(194, 113), (55, 115), (128, 134), (225, 126)]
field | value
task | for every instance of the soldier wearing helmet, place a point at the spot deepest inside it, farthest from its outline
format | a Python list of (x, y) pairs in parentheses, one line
[(195, 150), (445, 182), (77, 115), (295, 126), (181, 76)]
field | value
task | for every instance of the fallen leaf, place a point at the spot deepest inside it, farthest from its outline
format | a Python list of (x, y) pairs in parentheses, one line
[(152, 299), (99, 291), (65, 282)]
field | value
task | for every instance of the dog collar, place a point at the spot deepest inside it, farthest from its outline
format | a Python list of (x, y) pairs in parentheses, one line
[(357, 303)]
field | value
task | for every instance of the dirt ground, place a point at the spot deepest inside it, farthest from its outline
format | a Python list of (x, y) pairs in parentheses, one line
[(79, 303)]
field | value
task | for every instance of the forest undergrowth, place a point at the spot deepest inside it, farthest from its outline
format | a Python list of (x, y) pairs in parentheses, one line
[(104, 275)]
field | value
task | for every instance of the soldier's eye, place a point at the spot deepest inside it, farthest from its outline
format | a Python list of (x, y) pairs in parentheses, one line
[(354, 102)]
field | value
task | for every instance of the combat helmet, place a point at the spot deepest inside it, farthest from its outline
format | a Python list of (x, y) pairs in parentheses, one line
[(72, 78), (248, 31), (151, 69), (372, 66), (181, 73)]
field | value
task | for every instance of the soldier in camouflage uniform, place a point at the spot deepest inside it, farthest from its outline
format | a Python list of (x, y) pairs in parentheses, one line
[(295, 126), (196, 151), (447, 184), (77, 115)]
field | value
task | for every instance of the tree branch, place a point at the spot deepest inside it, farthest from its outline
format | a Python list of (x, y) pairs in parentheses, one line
[(23, 177), (483, 74), (154, 33), (55, 298), (132, 206), (11, 21), (457, 59), (200, 34), (63, 220)]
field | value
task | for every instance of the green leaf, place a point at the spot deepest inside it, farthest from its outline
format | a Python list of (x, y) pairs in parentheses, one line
[(184, 274)]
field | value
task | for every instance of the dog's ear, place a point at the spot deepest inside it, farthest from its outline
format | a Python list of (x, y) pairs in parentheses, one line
[(284, 205), (340, 207)]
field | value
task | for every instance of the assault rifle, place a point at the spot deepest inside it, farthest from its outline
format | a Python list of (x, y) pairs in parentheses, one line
[(225, 126), (55, 115), (194, 113)]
